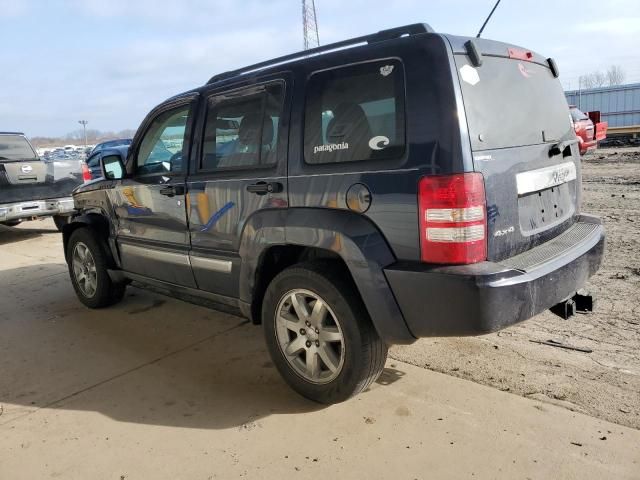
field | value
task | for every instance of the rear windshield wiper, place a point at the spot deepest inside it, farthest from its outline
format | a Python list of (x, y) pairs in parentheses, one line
[(560, 147)]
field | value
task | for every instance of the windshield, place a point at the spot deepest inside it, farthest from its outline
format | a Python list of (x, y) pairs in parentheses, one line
[(512, 103), (15, 148), (577, 115)]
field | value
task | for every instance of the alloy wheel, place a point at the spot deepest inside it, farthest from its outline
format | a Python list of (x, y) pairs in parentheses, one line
[(84, 270), (309, 336)]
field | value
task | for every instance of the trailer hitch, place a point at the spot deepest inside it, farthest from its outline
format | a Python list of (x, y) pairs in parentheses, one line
[(580, 302)]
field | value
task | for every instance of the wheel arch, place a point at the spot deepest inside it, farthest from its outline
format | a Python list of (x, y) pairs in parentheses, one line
[(276, 239), (98, 222)]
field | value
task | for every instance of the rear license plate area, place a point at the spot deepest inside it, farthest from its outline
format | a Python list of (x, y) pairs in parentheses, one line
[(543, 209)]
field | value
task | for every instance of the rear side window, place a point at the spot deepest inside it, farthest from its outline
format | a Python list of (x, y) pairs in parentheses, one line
[(241, 129), (355, 113)]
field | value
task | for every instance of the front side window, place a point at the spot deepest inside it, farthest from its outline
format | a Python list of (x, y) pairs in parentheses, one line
[(241, 130), (162, 147), (355, 113)]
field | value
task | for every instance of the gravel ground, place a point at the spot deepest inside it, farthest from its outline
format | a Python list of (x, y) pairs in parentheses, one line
[(604, 383)]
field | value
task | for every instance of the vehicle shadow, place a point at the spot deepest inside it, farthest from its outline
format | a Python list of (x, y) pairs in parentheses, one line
[(151, 359), (19, 233)]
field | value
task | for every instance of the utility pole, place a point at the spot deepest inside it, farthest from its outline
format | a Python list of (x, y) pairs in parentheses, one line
[(580, 92), (84, 127), (310, 24)]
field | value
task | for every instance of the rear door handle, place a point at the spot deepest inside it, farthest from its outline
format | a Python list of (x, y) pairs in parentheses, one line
[(172, 190), (262, 188)]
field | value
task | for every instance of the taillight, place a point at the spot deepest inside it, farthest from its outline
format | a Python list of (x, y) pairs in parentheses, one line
[(453, 219), (86, 173)]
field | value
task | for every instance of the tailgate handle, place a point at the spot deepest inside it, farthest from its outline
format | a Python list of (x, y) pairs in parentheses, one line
[(559, 148)]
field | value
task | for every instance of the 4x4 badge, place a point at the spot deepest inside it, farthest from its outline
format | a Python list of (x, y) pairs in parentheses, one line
[(386, 70)]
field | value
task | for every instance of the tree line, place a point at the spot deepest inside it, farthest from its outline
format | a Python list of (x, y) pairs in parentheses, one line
[(614, 75), (77, 137)]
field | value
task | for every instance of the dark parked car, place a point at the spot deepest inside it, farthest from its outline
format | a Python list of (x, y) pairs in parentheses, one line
[(120, 142), (394, 186), (93, 161)]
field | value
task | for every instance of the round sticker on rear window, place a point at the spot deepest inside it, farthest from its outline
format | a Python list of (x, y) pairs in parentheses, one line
[(379, 142), (469, 74)]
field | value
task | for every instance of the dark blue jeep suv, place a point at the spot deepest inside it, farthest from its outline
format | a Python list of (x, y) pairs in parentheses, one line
[(370, 192)]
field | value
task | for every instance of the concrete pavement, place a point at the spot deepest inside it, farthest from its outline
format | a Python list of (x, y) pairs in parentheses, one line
[(157, 388)]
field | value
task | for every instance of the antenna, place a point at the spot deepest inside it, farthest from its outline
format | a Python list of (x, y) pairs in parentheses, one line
[(487, 20), (310, 24)]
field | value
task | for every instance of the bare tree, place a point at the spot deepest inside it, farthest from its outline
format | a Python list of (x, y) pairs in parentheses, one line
[(615, 75), (593, 80)]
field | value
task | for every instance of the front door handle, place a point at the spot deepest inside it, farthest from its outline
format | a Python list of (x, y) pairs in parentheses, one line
[(172, 190), (262, 188)]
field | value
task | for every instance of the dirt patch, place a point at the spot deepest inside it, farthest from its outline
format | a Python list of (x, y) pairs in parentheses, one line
[(604, 383)]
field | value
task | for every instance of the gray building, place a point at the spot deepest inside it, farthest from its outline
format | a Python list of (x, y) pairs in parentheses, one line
[(619, 105)]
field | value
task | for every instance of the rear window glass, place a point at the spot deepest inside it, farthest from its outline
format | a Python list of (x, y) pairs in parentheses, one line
[(512, 103), (15, 148), (355, 113)]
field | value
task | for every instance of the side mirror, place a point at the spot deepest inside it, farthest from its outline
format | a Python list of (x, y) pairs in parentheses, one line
[(112, 167)]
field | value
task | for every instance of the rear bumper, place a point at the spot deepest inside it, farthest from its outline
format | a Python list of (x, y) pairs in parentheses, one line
[(35, 208), (485, 297)]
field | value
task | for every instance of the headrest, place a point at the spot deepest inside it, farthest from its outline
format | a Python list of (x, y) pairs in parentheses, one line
[(349, 123), (249, 130)]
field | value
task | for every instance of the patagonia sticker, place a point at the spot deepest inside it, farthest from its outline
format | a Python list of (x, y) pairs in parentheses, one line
[(330, 147)]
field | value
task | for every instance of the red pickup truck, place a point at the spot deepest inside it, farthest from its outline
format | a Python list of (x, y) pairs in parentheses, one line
[(589, 129)]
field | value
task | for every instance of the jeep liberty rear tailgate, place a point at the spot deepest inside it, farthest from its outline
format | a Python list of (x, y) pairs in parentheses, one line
[(523, 143)]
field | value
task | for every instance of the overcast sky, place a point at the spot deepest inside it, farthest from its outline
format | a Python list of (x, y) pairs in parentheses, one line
[(110, 61)]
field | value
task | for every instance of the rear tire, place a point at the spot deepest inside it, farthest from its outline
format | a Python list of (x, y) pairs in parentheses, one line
[(88, 264), (319, 334), (61, 221)]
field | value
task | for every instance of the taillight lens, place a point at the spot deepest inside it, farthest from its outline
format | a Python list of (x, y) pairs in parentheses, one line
[(86, 173), (453, 219)]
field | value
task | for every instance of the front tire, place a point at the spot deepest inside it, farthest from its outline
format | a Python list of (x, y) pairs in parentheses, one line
[(88, 268), (319, 334)]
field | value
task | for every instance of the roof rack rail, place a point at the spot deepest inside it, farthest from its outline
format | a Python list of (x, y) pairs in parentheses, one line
[(381, 36)]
